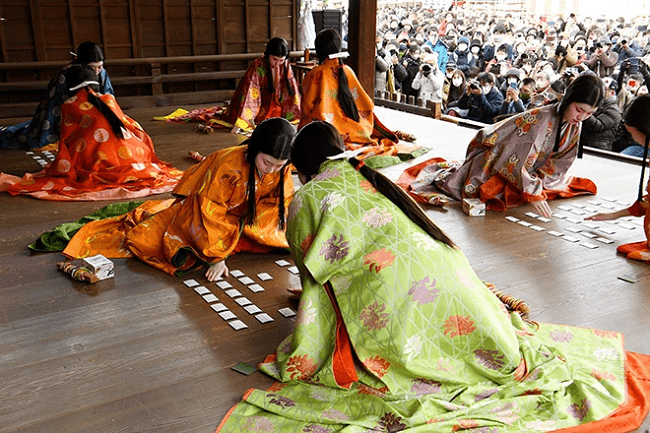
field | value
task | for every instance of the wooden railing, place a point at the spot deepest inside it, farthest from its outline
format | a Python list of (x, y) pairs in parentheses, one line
[(154, 80)]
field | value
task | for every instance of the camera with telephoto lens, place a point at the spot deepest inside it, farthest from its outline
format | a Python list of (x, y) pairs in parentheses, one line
[(473, 84), (426, 69), (598, 45)]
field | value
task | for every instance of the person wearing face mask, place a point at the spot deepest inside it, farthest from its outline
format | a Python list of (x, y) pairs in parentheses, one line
[(411, 63), (438, 46), (517, 161), (463, 58), (482, 99), (599, 131), (429, 80), (629, 84), (267, 89), (456, 91), (476, 48), (603, 60), (45, 126), (542, 82)]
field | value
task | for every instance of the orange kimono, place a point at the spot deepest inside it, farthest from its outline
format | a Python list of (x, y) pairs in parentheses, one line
[(204, 225), (319, 102), (95, 164), (639, 250)]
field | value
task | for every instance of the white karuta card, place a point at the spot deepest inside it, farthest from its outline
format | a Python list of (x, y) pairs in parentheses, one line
[(588, 235), (559, 216), (590, 225), (227, 315), (237, 325), (588, 245), (532, 214), (201, 290), (224, 284), (578, 212), (264, 276), (294, 270), (573, 229), (565, 208), (594, 202), (607, 231), (512, 218), (264, 318), (287, 312), (605, 240), (246, 281), (578, 205), (544, 219), (191, 283), (236, 273), (609, 199), (524, 223), (626, 226), (554, 233), (210, 298), (570, 239), (233, 293), (255, 288), (282, 263), (573, 220), (243, 301), (537, 228), (252, 309), (218, 307)]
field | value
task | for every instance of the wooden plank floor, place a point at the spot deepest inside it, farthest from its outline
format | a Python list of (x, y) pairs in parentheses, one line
[(144, 353)]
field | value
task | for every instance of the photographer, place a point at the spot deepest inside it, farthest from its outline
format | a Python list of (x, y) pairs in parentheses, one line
[(482, 99), (429, 80), (603, 59)]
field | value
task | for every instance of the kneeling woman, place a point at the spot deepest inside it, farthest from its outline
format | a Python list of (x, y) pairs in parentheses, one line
[(233, 201), (103, 154), (395, 331)]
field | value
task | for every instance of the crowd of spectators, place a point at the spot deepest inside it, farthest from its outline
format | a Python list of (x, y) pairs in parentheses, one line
[(486, 68)]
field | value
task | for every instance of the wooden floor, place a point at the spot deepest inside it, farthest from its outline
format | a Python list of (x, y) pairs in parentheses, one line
[(144, 353)]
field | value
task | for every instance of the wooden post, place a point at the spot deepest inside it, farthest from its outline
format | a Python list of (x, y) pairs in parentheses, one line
[(156, 88), (361, 41)]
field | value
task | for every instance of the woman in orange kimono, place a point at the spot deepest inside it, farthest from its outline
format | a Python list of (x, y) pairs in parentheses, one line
[(234, 200), (268, 89), (103, 154), (637, 122), (338, 98)]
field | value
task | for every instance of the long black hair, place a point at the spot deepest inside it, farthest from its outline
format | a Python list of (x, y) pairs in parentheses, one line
[(79, 73), (318, 140), (587, 88), (277, 47), (637, 115), (89, 52), (328, 41), (273, 137)]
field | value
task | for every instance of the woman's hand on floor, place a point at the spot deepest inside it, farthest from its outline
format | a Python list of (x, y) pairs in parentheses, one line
[(217, 270)]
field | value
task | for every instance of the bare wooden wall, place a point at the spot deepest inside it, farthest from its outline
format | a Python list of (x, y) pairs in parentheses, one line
[(47, 30)]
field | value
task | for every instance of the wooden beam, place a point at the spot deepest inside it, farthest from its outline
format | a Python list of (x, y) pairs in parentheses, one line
[(166, 27), (102, 27), (361, 41), (136, 38), (3, 39), (37, 29)]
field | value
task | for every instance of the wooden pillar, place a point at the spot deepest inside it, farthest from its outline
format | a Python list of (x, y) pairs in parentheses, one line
[(361, 41)]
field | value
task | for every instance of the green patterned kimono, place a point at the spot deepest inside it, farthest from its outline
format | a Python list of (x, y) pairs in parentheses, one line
[(395, 332)]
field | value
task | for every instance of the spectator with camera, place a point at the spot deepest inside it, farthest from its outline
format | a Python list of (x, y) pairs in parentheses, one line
[(603, 59), (411, 62), (482, 99), (599, 130), (429, 80), (463, 58), (630, 83), (517, 96)]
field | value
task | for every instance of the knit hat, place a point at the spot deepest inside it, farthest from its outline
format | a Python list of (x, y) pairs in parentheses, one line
[(476, 43), (464, 39), (451, 64), (513, 72)]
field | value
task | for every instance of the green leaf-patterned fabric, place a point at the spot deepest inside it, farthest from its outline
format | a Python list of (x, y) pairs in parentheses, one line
[(434, 349)]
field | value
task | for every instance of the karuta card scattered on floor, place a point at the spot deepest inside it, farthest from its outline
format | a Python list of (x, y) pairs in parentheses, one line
[(264, 276), (578, 205), (236, 273), (578, 212), (246, 281), (233, 293), (237, 325), (244, 368), (554, 233), (565, 208), (609, 199), (537, 228), (243, 301), (607, 231), (570, 239), (255, 288), (252, 309), (573, 220), (227, 315), (264, 318), (590, 225), (573, 229), (524, 223), (224, 284), (626, 226), (512, 218), (605, 240), (594, 202), (201, 290), (544, 219), (559, 216), (532, 214), (588, 245), (282, 263), (218, 307), (589, 235), (287, 312), (191, 283), (294, 270), (210, 298)]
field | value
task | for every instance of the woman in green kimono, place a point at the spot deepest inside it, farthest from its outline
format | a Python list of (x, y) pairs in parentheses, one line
[(396, 332)]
